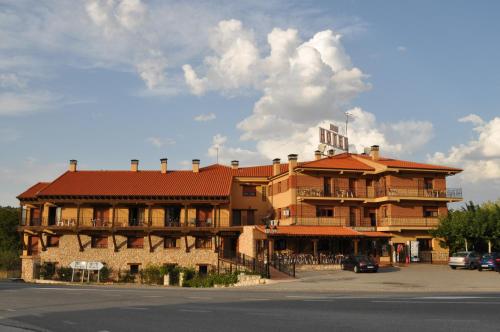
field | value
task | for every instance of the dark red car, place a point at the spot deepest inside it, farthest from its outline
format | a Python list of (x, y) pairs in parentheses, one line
[(359, 263)]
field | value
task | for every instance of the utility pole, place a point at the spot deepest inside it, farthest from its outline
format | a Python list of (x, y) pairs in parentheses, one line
[(347, 115)]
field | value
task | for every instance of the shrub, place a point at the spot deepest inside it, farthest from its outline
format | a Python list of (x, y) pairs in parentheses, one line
[(126, 277), (9, 260), (47, 270), (105, 273), (152, 274), (211, 280), (64, 274), (173, 273), (189, 273)]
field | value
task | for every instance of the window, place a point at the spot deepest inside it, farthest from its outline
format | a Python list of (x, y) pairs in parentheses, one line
[(249, 191), (428, 183), (270, 190), (384, 211), (52, 241), (425, 244), (171, 242), (324, 211), (135, 242), (327, 186), (430, 212), (250, 217), (236, 218), (134, 269), (203, 243), (264, 192), (202, 269), (99, 242)]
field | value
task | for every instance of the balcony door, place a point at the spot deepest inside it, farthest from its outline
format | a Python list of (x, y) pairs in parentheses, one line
[(135, 216), (101, 216), (172, 216), (204, 215), (35, 215), (327, 188), (236, 218)]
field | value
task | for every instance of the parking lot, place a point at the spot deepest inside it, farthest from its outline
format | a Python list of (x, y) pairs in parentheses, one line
[(413, 278)]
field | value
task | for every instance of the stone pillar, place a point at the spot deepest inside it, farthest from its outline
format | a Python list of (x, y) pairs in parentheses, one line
[(181, 278), (28, 268), (166, 280)]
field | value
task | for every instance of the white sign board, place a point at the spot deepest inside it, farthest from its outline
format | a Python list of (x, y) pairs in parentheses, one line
[(414, 251), (95, 266), (78, 265)]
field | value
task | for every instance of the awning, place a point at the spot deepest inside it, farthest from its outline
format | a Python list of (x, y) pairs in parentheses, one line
[(376, 234), (318, 231)]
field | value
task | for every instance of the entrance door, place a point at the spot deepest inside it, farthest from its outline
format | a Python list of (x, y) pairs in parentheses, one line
[(373, 219), (230, 247), (101, 216)]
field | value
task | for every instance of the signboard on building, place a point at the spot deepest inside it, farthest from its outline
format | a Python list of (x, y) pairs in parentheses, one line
[(332, 138), (414, 257)]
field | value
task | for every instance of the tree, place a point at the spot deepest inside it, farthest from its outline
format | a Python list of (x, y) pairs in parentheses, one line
[(10, 243)]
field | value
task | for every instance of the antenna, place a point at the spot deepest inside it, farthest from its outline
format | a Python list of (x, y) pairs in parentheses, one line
[(217, 148), (347, 116)]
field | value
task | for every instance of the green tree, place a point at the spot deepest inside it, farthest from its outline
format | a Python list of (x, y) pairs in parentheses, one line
[(10, 243)]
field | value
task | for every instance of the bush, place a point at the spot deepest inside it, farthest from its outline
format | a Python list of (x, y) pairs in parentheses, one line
[(47, 270), (105, 273), (211, 280), (173, 272), (189, 274), (126, 277), (64, 274), (152, 274), (9, 260)]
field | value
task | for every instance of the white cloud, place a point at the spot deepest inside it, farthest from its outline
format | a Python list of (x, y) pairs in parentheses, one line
[(8, 135), (11, 80), (152, 70), (225, 154), (19, 103), (480, 157), (160, 142), (205, 117), (402, 49)]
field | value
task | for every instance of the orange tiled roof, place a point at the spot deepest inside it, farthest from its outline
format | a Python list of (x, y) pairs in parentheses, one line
[(376, 234), (213, 180), (259, 171), (389, 162), (340, 161), (33, 190), (313, 231)]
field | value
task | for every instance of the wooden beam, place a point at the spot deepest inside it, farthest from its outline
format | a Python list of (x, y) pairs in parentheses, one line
[(151, 249), (40, 236), (115, 247), (186, 243), (79, 241)]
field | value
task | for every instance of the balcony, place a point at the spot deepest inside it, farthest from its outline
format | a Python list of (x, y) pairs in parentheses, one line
[(408, 222), (322, 221), (374, 192)]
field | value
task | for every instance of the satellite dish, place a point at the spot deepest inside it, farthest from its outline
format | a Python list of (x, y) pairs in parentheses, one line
[(322, 148)]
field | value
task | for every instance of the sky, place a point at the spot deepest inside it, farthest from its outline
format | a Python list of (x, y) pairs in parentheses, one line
[(107, 81)]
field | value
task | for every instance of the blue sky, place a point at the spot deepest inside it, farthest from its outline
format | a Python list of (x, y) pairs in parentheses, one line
[(108, 81)]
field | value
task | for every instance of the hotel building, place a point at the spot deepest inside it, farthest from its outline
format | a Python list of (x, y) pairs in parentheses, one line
[(335, 204)]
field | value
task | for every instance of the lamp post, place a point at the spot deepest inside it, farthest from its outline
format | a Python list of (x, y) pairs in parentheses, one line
[(266, 244)]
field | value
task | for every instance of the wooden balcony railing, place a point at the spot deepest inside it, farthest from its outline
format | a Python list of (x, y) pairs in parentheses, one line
[(373, 192), (408, 222), (322, 221)]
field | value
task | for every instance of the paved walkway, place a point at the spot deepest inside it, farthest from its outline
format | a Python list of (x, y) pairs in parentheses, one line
[(414, 278)]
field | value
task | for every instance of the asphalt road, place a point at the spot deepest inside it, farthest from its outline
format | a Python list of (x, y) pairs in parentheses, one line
[(27, 307)]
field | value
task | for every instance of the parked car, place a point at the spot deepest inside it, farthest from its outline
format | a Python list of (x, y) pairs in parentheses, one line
[(490, 262), (359, 263), (465, 259)]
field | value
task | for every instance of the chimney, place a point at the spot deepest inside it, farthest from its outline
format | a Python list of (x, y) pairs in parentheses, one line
[(292, 162), (164, 165), (196, 165), (317, 155), (276, 166), (235, 164), (374, 152), (331, 152), (134, 165), (72, 165)]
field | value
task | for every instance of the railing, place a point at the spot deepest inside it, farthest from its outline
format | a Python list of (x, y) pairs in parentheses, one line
[(419, 192), (321, 221), (307, 259), (334, 192), (241, 262), (408, 222), (282, 265), (373, 192)]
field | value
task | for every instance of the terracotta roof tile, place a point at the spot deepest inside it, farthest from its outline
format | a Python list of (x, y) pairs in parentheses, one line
[(340, 161), (33, 190), (213, 180), (389, 162), (313, 231), (259, 171)]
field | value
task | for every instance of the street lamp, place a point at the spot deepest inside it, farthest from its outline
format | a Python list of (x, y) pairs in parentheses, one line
[(267, 230)]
